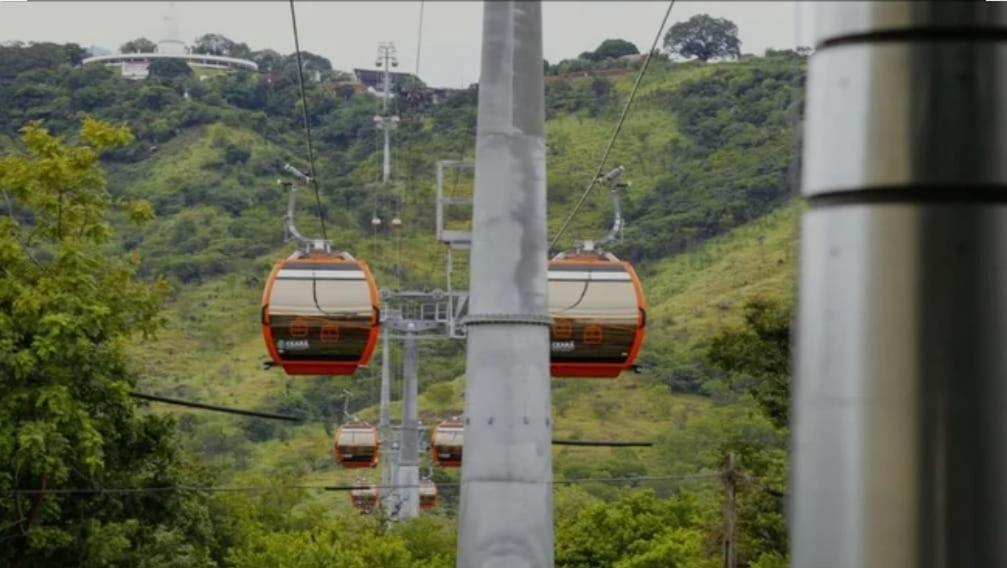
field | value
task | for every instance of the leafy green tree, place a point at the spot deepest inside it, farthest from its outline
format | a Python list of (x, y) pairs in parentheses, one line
[(66, 418), (759, 352), (704, 37), (267, 60), (638, 530), (138, 45), (169, 69), (213, 44), (613, 49)]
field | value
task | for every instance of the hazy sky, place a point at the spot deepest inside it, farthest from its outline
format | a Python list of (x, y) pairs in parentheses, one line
[(348, 32)]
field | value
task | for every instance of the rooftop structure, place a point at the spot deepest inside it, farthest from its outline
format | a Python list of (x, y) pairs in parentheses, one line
[(136, 65)]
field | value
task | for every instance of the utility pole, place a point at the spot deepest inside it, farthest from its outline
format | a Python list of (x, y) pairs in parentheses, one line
[(899, 425), (388, 471), (409, 445), (385, 122), (506, 495), (730, 518)]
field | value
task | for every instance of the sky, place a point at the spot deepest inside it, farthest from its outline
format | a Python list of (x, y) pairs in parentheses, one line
[(348, 32)]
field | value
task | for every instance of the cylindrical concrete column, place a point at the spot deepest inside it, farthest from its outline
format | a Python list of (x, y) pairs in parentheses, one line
[(900, 405), (506, 498)]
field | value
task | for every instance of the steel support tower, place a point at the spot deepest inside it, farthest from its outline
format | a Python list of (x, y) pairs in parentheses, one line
[(900, 427), (506, 496)]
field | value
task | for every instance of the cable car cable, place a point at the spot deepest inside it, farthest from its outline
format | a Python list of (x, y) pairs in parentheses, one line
[(602, 443), (618, 128), (307, 123)]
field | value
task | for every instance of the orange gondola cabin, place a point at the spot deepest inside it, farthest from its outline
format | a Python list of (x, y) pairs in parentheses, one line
[(320, 314), (428, 494), (357, 445), (446, 443), (598, 315), (364, 496)]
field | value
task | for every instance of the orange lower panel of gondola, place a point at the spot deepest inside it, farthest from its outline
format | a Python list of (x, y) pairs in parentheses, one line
[(587, 370)]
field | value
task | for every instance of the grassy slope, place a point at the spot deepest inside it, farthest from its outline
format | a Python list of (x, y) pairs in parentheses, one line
[(691, 296), (211, 350)]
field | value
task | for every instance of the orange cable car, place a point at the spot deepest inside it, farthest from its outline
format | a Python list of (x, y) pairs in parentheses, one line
[(364, 496), (428, 494), (320, 314), (357, 445), (598, 310), (446, 443)]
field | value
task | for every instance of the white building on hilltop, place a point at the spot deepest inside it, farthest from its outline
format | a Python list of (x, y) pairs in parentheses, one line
[(135, 65)]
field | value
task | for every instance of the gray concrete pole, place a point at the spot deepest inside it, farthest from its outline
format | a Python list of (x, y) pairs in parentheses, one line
[(506, 496), (900, 427), (386, 167), (384, 421), (409, 448)]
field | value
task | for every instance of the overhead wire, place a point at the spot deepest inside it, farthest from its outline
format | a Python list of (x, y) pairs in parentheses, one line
[(618, 128), (307, 122), (316, 487)]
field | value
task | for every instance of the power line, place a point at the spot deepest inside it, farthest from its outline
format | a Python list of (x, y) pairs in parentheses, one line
[(216, 408), (618, 129), (275, 488), (602, 443), (307, 123)]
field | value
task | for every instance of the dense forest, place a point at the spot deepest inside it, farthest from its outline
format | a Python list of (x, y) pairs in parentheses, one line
[(140, 218)]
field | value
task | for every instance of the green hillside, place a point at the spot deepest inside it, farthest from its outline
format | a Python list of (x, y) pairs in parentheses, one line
[(711, 155)]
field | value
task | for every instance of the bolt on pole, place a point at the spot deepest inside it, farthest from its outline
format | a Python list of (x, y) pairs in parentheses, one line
[(506, 494), (899, 429)]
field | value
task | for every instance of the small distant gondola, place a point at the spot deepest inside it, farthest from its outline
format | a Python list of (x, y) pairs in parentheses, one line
[(428, 494), (357, 445), (364, 496), (446, 443)]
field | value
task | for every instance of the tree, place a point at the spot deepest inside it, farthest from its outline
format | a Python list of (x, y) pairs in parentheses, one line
[(761, 351), (169, 69), (138, 45), (67, 309), (614, 49), (267, 60), (213, 44), (704, 38)]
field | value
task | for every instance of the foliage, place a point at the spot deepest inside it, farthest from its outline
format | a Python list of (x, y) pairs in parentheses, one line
[(17, 58), (169, 68), (349, 542), (138, 45), (758, 354), (636, 531), (708, 148), (704, 37), (216, 44), (66, 420), (611, 49), (736, 160)]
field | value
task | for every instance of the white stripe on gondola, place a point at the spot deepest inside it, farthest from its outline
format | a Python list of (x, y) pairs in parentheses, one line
[(288, 273), (593, 276)]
